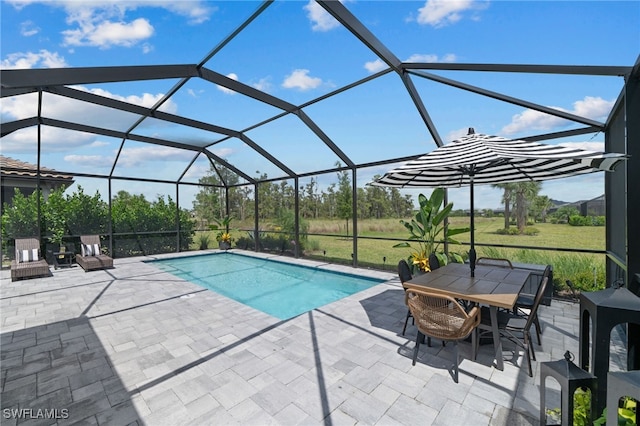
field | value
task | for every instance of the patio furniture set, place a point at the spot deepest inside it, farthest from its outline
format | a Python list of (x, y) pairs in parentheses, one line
[(491, 297), (450, 304), (29, 263)]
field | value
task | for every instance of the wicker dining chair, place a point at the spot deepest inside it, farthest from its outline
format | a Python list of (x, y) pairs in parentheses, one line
[(28, 262), (91, 256), (441, 317)]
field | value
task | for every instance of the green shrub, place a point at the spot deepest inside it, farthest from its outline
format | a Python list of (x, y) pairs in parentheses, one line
[(507, 231), (577, 220), (203, 241), (584, 270), (587, 280), (530, 230)]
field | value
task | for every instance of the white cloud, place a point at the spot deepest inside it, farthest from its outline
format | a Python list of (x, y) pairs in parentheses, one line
[(375, 66), (232, 76), (28, 29), (103, 23), (196, 171), (133, 157), (106, 34), (264, 84), (589, 146), (60, 140), (320, 18), (431, 58), (28, 60), (53, 140), (439, 13), (594, 108), (19, 107), (195, 93), (221, 152), (90, 161), (146, 100), (299, 79)]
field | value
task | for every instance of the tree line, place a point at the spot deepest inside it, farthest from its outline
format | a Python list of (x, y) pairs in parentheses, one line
[(333, 202), (144, 226)]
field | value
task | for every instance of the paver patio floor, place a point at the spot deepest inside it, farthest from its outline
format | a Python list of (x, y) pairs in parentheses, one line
[(134, 344)]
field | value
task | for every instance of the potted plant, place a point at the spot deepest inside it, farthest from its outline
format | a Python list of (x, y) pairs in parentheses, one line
[(223, 236), (428, 231), (224, 240)]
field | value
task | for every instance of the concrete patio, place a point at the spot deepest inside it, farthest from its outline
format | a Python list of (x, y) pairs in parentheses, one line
[(135, 345)]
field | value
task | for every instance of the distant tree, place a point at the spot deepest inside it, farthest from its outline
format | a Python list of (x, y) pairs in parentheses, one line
[(344, 196), (507, 199), (565, 212), (20, 218), (87, 214), (542, 204), (525, 193), (209, 201)]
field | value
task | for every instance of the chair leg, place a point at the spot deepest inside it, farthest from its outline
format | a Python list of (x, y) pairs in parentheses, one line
[(527, 348), (528, 340), (419, 338), (474, 344), (536, 322), (406, 320), (455, 361)]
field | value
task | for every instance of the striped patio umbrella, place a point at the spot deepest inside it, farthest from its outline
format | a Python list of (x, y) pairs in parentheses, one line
[(483, 159)]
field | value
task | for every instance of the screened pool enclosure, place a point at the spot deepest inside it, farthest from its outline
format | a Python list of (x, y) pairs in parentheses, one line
[(273, 159)]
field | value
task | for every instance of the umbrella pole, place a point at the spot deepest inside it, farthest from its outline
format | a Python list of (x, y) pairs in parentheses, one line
[(472, 251)]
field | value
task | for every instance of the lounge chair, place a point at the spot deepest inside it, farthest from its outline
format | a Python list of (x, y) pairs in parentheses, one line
[(28, 262), (91, 256)]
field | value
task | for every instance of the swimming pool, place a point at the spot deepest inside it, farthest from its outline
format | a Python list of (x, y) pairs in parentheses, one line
[(279, 289)]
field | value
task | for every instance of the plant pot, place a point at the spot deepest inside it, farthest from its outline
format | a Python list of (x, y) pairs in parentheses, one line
[(224, 245)]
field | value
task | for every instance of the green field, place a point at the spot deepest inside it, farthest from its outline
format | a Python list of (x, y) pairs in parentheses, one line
[(587, 271)]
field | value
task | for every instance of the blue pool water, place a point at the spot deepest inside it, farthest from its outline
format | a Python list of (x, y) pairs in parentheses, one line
[(276, 288)]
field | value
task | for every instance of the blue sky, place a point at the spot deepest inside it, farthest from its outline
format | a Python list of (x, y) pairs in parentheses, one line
[(297, 52)]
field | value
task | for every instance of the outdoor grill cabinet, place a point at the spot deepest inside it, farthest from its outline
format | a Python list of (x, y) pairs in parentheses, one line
[(534, 281), (604, 310)]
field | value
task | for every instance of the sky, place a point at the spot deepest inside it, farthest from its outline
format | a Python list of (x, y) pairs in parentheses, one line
[(297, 52)]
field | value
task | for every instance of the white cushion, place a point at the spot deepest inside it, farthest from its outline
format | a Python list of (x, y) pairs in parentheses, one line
[(27, 255), (90, 249)]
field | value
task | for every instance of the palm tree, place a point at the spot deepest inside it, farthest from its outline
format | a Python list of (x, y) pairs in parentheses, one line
[(507, 198), (524, 193), (543, 203)]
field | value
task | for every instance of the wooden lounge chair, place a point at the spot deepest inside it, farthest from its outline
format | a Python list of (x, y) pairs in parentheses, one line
[(28, 262), (91, 256)]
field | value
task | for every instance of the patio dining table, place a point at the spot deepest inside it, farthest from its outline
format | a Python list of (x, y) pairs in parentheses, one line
[(494, 286)]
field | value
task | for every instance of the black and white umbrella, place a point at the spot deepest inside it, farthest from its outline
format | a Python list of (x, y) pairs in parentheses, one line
[(482, 159)]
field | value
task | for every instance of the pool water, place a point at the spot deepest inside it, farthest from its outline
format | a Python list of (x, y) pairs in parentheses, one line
[(279, 289)]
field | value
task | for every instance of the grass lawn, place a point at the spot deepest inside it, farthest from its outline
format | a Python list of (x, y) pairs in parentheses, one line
[(585, 270)]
